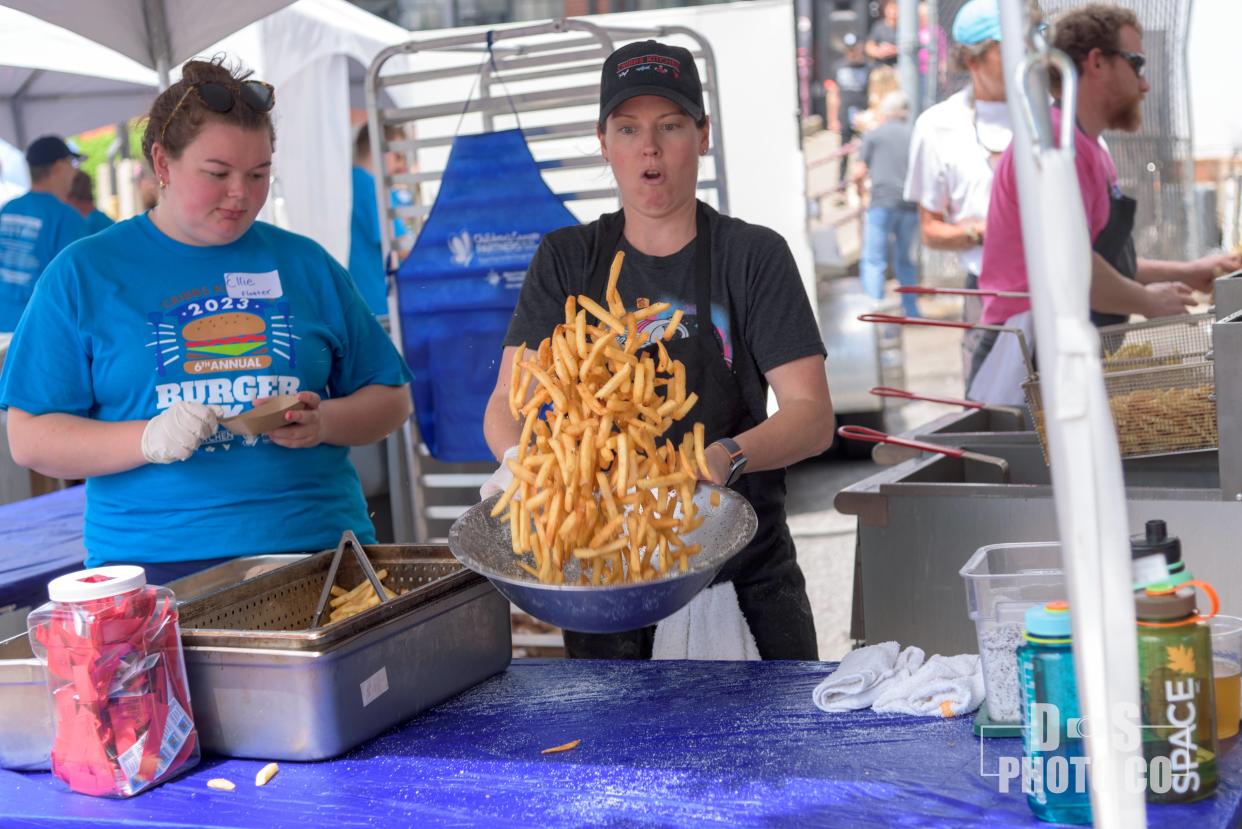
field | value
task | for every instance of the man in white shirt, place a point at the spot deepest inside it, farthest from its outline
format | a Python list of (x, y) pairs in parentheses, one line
[(956, 145)]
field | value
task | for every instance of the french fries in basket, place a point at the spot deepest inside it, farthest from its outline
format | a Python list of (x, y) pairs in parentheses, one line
[(593, 483), (346, 603)]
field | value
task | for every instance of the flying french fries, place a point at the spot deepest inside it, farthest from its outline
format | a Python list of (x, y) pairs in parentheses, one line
[(593, 483)]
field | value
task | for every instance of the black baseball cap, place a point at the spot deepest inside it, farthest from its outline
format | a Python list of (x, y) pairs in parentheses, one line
[(48, 150), (648, 67)]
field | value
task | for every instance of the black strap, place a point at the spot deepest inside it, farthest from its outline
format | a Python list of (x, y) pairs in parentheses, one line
[(611, 229)]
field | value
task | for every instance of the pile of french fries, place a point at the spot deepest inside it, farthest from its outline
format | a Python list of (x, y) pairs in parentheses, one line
[(347, 603), (597, 497)]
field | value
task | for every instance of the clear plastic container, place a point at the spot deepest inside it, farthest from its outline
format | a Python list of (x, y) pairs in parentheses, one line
[(121, 715), (1002, 582)]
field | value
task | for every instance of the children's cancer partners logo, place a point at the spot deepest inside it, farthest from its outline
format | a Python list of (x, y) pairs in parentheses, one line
[(491, 249), (461, 247), (1051, 765)]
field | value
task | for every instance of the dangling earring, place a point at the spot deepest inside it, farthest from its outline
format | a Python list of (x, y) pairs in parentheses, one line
[(163, 184)]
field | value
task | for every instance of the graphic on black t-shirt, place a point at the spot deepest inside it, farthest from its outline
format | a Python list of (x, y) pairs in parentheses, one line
[(655, 326)]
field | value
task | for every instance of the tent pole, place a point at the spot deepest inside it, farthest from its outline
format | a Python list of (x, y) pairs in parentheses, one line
[(1088, 487), (157, 37)]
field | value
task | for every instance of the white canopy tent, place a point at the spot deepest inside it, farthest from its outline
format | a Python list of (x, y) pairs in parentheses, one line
[(156, 33), (55, 81), (306, 51)]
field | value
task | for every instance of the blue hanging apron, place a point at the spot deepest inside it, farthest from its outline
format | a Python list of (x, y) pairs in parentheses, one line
[(459, 285)]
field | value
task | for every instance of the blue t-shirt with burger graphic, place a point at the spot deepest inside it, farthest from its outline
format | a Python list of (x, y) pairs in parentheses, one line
[(128, 322)]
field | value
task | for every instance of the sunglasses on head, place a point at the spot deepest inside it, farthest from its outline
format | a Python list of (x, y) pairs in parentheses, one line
[(221, 98), (1136, 60)]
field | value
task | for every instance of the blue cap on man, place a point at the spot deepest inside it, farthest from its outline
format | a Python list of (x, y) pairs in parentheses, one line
[(977, 21)]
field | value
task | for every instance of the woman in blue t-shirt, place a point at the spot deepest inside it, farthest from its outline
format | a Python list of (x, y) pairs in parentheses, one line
[(139, 338)]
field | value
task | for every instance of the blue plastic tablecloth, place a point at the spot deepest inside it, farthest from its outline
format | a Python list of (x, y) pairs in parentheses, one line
[(40, 538), (663, 744)]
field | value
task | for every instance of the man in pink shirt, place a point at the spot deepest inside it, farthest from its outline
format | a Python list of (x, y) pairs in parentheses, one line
[(1106, 44)]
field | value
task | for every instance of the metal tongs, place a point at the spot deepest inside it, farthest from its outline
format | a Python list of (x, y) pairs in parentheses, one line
[(348, 539)]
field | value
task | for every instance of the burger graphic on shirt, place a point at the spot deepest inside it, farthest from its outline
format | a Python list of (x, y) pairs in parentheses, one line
[(230, 341)]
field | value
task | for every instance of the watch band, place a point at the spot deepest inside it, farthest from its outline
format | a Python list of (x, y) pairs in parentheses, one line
[(737, 459)]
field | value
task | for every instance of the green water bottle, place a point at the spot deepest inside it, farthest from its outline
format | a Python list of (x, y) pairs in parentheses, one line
[(1179, 708)]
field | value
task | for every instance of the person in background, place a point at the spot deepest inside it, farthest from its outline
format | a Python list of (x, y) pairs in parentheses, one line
[(927, 33), (883, 80), (138, 340), (847, 92), (366, 258), (82, 199), (954, 148), (882, 41), (148, 188), (37, 226), (748, 326), (891, 222), (1106, 44)]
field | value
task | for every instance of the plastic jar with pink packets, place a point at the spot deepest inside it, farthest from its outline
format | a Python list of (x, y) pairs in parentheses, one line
[(121, 713)]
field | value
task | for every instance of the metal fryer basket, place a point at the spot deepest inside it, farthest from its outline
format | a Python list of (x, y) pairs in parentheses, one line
[(1167, 341), (1156, 411), (275, 610)]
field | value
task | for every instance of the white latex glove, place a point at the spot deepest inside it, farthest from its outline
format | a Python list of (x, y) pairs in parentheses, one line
[(500, 479), (176, 432)]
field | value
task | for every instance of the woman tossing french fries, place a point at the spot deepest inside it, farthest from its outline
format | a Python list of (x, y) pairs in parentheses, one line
[(654, 334)]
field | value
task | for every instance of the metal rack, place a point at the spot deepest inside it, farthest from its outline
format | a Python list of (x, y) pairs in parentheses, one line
[(543, 78)]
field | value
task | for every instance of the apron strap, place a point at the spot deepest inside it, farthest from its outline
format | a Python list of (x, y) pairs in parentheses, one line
[(611, 229), (703, 277)]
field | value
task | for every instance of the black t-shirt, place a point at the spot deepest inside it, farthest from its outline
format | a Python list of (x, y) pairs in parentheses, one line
[(760, 308), (852, 81), (881, 32)]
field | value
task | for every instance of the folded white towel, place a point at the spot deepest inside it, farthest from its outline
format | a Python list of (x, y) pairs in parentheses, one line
[(710, 627), (863, 674), (945, 686)]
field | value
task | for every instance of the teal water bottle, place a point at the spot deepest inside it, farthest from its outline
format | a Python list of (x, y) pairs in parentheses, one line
[(1055, 767)]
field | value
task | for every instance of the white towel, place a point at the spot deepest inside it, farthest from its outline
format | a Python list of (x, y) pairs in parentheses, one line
[(710, 627), (945, 686), (863, 674)]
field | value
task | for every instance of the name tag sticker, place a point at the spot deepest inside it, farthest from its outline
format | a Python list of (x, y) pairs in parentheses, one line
[(254, 285)]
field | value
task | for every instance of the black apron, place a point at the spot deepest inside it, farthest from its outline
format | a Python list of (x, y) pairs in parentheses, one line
[(1115, 245), (770, 587)]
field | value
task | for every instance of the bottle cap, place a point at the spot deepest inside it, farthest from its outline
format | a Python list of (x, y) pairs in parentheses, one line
[(1157, 558), (97, 583), (1051, 621), (1164, 607)]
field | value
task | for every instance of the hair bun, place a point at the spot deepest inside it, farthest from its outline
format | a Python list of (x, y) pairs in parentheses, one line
[(214, 70)]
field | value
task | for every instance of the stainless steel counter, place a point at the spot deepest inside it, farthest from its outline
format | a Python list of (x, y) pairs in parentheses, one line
[(919, 522)]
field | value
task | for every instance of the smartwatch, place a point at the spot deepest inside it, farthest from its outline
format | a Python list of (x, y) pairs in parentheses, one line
[(737, 460)]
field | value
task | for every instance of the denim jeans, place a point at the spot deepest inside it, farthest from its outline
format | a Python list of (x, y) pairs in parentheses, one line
[(890, 229)]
